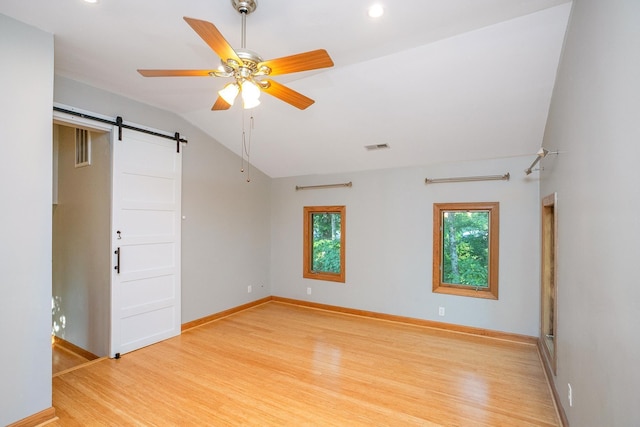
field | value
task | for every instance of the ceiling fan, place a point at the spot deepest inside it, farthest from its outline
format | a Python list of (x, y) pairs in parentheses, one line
[(249, 71)]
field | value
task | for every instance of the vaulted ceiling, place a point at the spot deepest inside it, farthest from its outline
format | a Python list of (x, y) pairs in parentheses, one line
[(436, 80)]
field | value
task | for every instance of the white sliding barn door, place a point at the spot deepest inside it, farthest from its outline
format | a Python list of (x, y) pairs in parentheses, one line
[(145, 226)]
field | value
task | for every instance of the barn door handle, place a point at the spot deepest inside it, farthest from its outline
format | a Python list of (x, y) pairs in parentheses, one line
[(117, 267)]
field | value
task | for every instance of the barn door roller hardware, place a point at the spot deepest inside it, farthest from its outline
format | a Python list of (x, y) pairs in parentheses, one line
[(120, 123)]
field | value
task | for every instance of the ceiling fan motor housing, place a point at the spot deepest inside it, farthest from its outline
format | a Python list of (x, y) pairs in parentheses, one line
[(244, 6)]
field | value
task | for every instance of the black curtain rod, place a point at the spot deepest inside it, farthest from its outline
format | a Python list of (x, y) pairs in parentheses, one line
[(118, 122)]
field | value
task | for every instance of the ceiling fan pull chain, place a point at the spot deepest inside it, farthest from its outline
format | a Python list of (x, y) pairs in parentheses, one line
[(246, 146), (248, 149), (242, 153), (242, 146)]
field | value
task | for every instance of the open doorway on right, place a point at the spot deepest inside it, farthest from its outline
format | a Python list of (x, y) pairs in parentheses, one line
[(549, 318)]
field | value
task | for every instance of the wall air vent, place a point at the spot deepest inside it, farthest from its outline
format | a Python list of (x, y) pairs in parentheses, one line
[(376, 147), (83, 148)]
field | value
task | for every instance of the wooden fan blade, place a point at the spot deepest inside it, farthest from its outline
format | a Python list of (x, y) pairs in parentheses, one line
[(288, 95), (220, 104), (300, 62), (216, 41), (176, 73)]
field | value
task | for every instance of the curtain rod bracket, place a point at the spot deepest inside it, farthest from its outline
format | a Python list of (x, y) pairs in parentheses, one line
[(541, 154)]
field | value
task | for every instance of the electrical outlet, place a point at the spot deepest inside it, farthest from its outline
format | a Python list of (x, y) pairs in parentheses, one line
[(570, 394), (249, 289), (308, 291), (440, 311)]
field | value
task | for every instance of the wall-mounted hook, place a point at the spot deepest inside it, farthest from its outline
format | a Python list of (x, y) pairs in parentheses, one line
[(119, 236)]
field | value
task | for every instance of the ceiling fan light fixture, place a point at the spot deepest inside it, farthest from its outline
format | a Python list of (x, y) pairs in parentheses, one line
[(250, 103), (229, 92), (250, 89), (250, 94), (246, 67)]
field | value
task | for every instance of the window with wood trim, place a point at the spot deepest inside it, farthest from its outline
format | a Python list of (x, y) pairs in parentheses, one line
[(465, 249), (324, 243)]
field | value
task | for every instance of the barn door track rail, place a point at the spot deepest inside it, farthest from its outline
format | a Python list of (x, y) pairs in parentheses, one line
[(118, 121)]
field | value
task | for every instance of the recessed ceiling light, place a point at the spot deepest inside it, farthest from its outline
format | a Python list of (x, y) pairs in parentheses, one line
[(91, 1), (376, 11)]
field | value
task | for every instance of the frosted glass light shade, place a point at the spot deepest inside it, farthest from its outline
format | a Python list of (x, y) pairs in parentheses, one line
[(229, 93), (250, 94), (250, 103)]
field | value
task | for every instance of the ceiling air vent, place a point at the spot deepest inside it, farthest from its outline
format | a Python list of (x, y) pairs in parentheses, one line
[(376, 147)]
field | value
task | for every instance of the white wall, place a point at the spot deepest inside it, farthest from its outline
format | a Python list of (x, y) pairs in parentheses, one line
[(594, 123), (81, 244), (389, 243), (225, 236), (26, 85)]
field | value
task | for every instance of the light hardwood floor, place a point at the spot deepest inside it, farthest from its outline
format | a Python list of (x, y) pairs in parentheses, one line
[(278, 364), (64, 359)]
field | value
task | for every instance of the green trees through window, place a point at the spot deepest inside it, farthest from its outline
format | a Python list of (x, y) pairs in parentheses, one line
[(465, 249), (324, 242)]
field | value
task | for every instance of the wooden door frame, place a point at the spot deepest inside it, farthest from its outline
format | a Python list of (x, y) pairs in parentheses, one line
[(549, 271)]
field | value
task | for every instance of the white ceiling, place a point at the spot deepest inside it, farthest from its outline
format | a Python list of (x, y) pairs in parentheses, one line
[(437, 80)]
